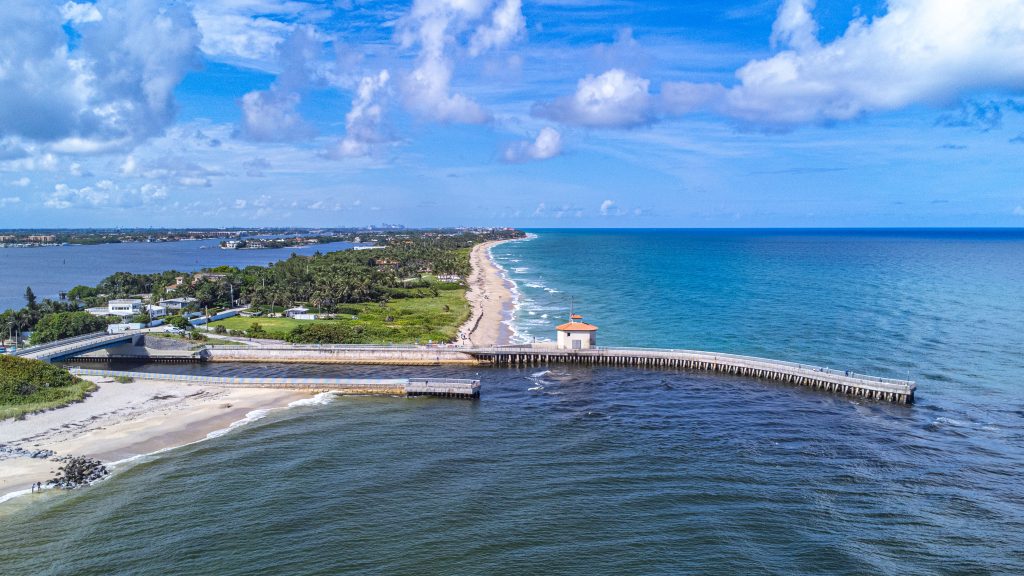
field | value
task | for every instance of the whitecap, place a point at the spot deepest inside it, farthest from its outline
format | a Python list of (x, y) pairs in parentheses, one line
[(535, 388), (249, 418), (320, 399)]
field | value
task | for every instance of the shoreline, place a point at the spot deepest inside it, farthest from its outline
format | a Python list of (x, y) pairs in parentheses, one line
[(125, 422), (492, 296)]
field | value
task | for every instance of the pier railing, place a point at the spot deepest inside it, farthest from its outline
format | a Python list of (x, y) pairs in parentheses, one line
[(442, 387), (762, 362)]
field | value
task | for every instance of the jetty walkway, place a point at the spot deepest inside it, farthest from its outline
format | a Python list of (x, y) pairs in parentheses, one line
[(837, 381), (816, 377), (437, 387)]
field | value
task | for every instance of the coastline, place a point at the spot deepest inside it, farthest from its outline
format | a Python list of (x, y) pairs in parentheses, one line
[(492, 297), (122, 422)]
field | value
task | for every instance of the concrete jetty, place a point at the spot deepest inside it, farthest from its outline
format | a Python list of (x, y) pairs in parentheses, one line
[(816, 377), (437, 387)]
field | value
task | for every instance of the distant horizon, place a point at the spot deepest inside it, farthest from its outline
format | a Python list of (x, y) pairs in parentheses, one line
[(378, 228)]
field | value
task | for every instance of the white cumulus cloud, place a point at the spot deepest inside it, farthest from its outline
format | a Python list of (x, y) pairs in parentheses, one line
[(507, 24), (548, 144), (363, 121), (615, 99), (21, 182), (438, 27), (9, 201), (272, 115), (918, 52), (606, 207), (114, 87)]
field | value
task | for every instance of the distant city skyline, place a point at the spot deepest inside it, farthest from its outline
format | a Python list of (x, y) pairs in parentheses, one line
[(532, 114)]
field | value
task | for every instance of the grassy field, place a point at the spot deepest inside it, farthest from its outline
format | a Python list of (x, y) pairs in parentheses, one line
[(28, 386), (414, 319)]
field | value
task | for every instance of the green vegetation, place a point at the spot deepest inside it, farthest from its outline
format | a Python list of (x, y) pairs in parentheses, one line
[(65, 325), (392, 291), (28, 386), (412, 319)]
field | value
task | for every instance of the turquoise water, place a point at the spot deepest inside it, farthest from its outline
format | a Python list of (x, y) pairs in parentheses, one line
[(619, 471)]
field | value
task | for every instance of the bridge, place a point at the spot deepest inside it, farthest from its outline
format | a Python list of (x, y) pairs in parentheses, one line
[(69, 347)]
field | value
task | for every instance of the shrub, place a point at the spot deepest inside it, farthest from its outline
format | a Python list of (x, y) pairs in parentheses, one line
[(28, 386)]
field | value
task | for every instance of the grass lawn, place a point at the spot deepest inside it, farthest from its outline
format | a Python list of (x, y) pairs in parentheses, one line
[(28, 386), (416, 319)]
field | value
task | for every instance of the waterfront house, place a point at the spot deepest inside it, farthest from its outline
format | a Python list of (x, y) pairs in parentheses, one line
[(177, 304), (100, 311), (124, 307), (156, 311), (576, 334)]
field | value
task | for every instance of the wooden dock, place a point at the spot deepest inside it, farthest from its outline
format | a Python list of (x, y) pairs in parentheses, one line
[(436, 387), (837, 381)]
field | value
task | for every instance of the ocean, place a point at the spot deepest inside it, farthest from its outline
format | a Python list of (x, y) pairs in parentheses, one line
[(600, 470)]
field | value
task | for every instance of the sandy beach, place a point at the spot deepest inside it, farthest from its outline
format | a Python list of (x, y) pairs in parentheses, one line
[(124, 420), (490, 297)]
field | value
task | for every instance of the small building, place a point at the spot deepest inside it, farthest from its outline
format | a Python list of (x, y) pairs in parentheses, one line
[(576, 334), (449, 278), (124, 307), (156, 311), (100, 311), (211, 276), (297, 311), (177, 304)]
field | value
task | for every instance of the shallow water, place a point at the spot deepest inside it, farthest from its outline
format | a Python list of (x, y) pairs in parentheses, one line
[(612, 471)]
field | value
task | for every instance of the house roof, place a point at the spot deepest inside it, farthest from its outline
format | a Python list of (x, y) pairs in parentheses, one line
[(576, 317), (577, 327)]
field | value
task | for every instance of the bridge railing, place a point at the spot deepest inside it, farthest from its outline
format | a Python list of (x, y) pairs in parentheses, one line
[(54, 348), (751, 361)]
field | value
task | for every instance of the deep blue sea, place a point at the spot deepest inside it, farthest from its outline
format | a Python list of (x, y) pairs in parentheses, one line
[(49, 270), (624, 471)]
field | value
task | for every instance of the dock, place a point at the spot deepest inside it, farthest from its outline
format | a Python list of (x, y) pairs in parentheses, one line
[(435, 387)]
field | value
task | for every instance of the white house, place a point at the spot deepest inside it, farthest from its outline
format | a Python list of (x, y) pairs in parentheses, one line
[(124, 307), (576, 334), (297, 311), (98, 311), (156, 311), (177, 304)]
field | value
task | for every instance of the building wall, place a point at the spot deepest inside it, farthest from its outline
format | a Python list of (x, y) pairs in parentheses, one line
[(587, 339)]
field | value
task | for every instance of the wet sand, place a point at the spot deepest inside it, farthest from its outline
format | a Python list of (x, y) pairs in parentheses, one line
[(125, 420), (491, 298)]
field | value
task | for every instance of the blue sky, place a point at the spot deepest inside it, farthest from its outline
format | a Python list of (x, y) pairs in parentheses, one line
[(546, 113)]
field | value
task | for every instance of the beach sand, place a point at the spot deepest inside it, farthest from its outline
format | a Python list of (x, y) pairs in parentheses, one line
[(491, 299), (124, 420)]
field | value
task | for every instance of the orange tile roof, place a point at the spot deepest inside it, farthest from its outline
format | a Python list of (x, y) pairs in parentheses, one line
[(577, 327), (576, 317)]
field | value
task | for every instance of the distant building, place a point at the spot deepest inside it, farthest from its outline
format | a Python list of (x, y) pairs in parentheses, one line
[(156, 311), (449, 278), (211, 276), (177, 304), (576, 334), (100, 311), (297, 311), (42, 238), (231, 244), (124, 307)]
